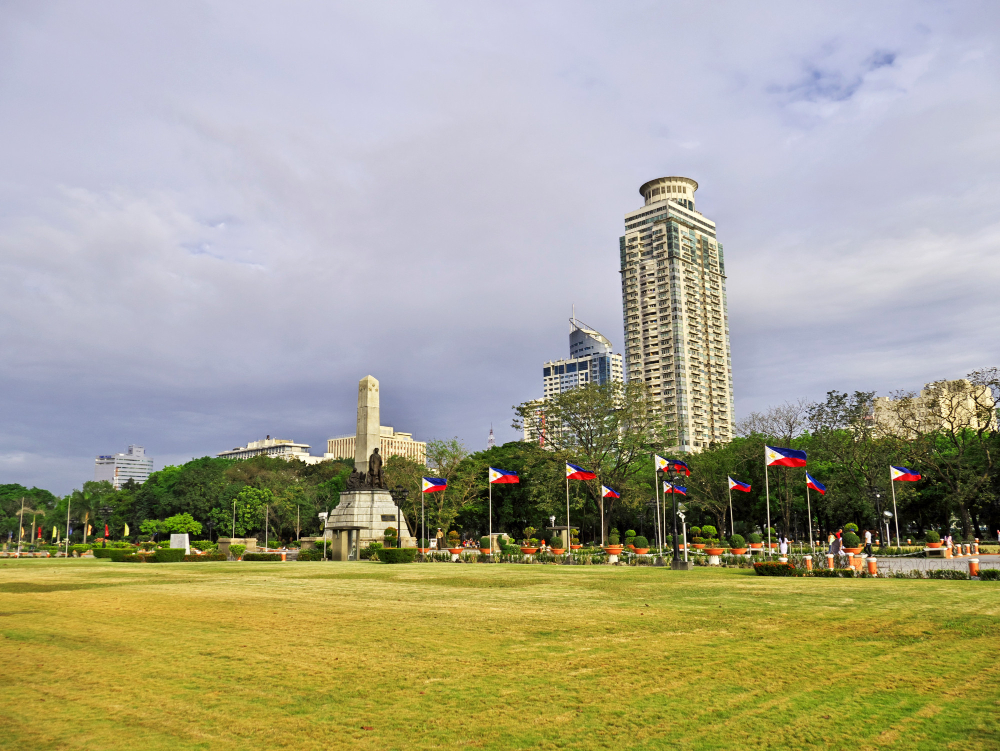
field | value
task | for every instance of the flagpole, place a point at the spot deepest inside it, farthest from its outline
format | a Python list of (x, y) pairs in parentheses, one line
[(656, 490), (20, 529), (892, 484), (491, 511), (567, 541), (69, 501), (809, 511), (732, 519), (767, 491)]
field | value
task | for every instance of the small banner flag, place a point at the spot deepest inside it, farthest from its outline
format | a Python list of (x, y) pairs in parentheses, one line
[(574, 472), (743, 487), (661, 463), (775, 457), (812, 482), (502, 476), (39, 531), (432, 484), (607, 492), (669, 487), (902, 474), (126, 529), (90, 529), (55, 533), (106, 533)]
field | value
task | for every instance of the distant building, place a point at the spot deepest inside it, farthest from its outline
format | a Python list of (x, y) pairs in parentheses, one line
[(118, 469), (943, 405), (391, 443), (591, 360), (279, 448)]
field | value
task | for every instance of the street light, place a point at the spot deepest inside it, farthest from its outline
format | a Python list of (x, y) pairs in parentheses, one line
[(681, 508), (106, 515), (888, 515), (399, 494)]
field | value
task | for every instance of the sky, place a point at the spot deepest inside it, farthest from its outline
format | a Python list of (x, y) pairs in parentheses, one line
[(216, 217)]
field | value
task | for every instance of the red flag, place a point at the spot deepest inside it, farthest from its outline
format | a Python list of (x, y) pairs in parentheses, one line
[(105, 531), (39, 533)]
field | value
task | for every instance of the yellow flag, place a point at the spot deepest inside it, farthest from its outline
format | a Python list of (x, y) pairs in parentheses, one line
[(54, 533), (90, 529), (126, 529)]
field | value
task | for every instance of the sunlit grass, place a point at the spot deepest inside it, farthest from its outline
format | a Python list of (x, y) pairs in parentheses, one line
[(101, 655)]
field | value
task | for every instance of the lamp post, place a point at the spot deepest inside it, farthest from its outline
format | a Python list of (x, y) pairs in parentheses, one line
[(681, 508), (399, 494), (887, 516), (106, 515), (876, 494)]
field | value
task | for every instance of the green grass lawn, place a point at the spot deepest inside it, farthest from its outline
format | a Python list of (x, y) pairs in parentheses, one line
[(102, 655)]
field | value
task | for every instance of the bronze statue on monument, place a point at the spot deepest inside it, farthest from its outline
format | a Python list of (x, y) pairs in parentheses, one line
[(375, 477)]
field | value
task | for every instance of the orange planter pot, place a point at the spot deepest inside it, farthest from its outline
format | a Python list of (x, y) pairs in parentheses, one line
[(756, 545), (613, 549), (424, 551), (715, 551), (575, 547), (934, 544), (484, 551), (856, 551), (529, 551), (698, 545), (630, 546), (641, 551), (738, 551), (455, 551), (558, 551), (774, 546)]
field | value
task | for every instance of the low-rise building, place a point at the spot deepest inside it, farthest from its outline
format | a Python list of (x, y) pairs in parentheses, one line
[(391, 443), (279, 448), (118, 469), (942, 405)]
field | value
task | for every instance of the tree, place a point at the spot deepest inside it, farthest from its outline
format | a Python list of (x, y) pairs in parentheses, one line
[(609, 428), (182, 524), (249, 512)]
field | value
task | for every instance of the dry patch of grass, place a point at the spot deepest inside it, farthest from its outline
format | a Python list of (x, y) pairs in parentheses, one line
[(99, 655)]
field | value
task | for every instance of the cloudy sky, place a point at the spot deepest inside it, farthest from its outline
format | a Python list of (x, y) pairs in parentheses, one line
[(215, 217)]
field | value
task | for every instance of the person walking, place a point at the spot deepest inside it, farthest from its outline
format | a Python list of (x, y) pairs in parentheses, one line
[(868, 542), (783, 544)]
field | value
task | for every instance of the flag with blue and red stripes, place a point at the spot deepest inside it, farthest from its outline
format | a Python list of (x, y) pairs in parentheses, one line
[(573, 472)]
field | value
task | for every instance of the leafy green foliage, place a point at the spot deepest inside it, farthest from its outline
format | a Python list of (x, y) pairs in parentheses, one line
[(737, 541), (776, 568), (237, 550), (169, 555), (262, 556), (397, 555), (851, 540), (932, 536), (640, 542)]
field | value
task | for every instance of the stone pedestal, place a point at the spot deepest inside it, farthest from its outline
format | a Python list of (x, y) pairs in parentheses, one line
[(681, 565), (361, 517), (225, 542)]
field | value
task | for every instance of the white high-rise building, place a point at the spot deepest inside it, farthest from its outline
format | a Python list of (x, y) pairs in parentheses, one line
[(118, 469), (278, 448), (674, 308)]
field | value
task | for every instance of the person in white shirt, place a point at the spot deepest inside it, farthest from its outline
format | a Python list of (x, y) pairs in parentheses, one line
[(868, 541)]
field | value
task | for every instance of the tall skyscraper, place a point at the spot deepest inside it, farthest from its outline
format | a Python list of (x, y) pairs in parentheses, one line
[(118, 469), (591, 360), (674, 308)]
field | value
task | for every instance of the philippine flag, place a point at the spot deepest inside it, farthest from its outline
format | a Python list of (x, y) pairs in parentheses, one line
[(432, 484), (574, 472), (743, 487), (607, 492), (775, 457), (661, 463), (812, 482), (502, 476), (669, 487), (902, 474)]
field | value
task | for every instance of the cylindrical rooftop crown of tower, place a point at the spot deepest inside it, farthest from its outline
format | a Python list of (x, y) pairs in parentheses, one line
[(665, 188)]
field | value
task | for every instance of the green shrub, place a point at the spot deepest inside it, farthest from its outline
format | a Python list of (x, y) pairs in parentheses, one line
[(709, 531), (398, 555), (851, 540), (850, 527), (170, 555), (755, 538), (311, 554), (262, 556), (102, 552), (80, 548), (484, 541), (989, 574), (776, 568), (640, 542), (207, 557), (424, 542), (771, 531), (237, 550), (137, 558), (833, 573), (932, 536), (613, 537), (737, 541), (699, 540), (694, 531), (371, 552), (203, 545), (274, 543), (947, 573), (147, 545)]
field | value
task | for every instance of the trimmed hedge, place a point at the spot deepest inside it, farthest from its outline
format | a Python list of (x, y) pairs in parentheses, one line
[(776, 568), (947, 573), (397, 555), (262, 556), (137, 558), (834, 573), (989, 574), (312, 554), (169, 555), (207, 557)]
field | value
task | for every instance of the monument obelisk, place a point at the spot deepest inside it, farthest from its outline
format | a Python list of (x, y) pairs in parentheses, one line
[(365, 509), (368, 436)]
